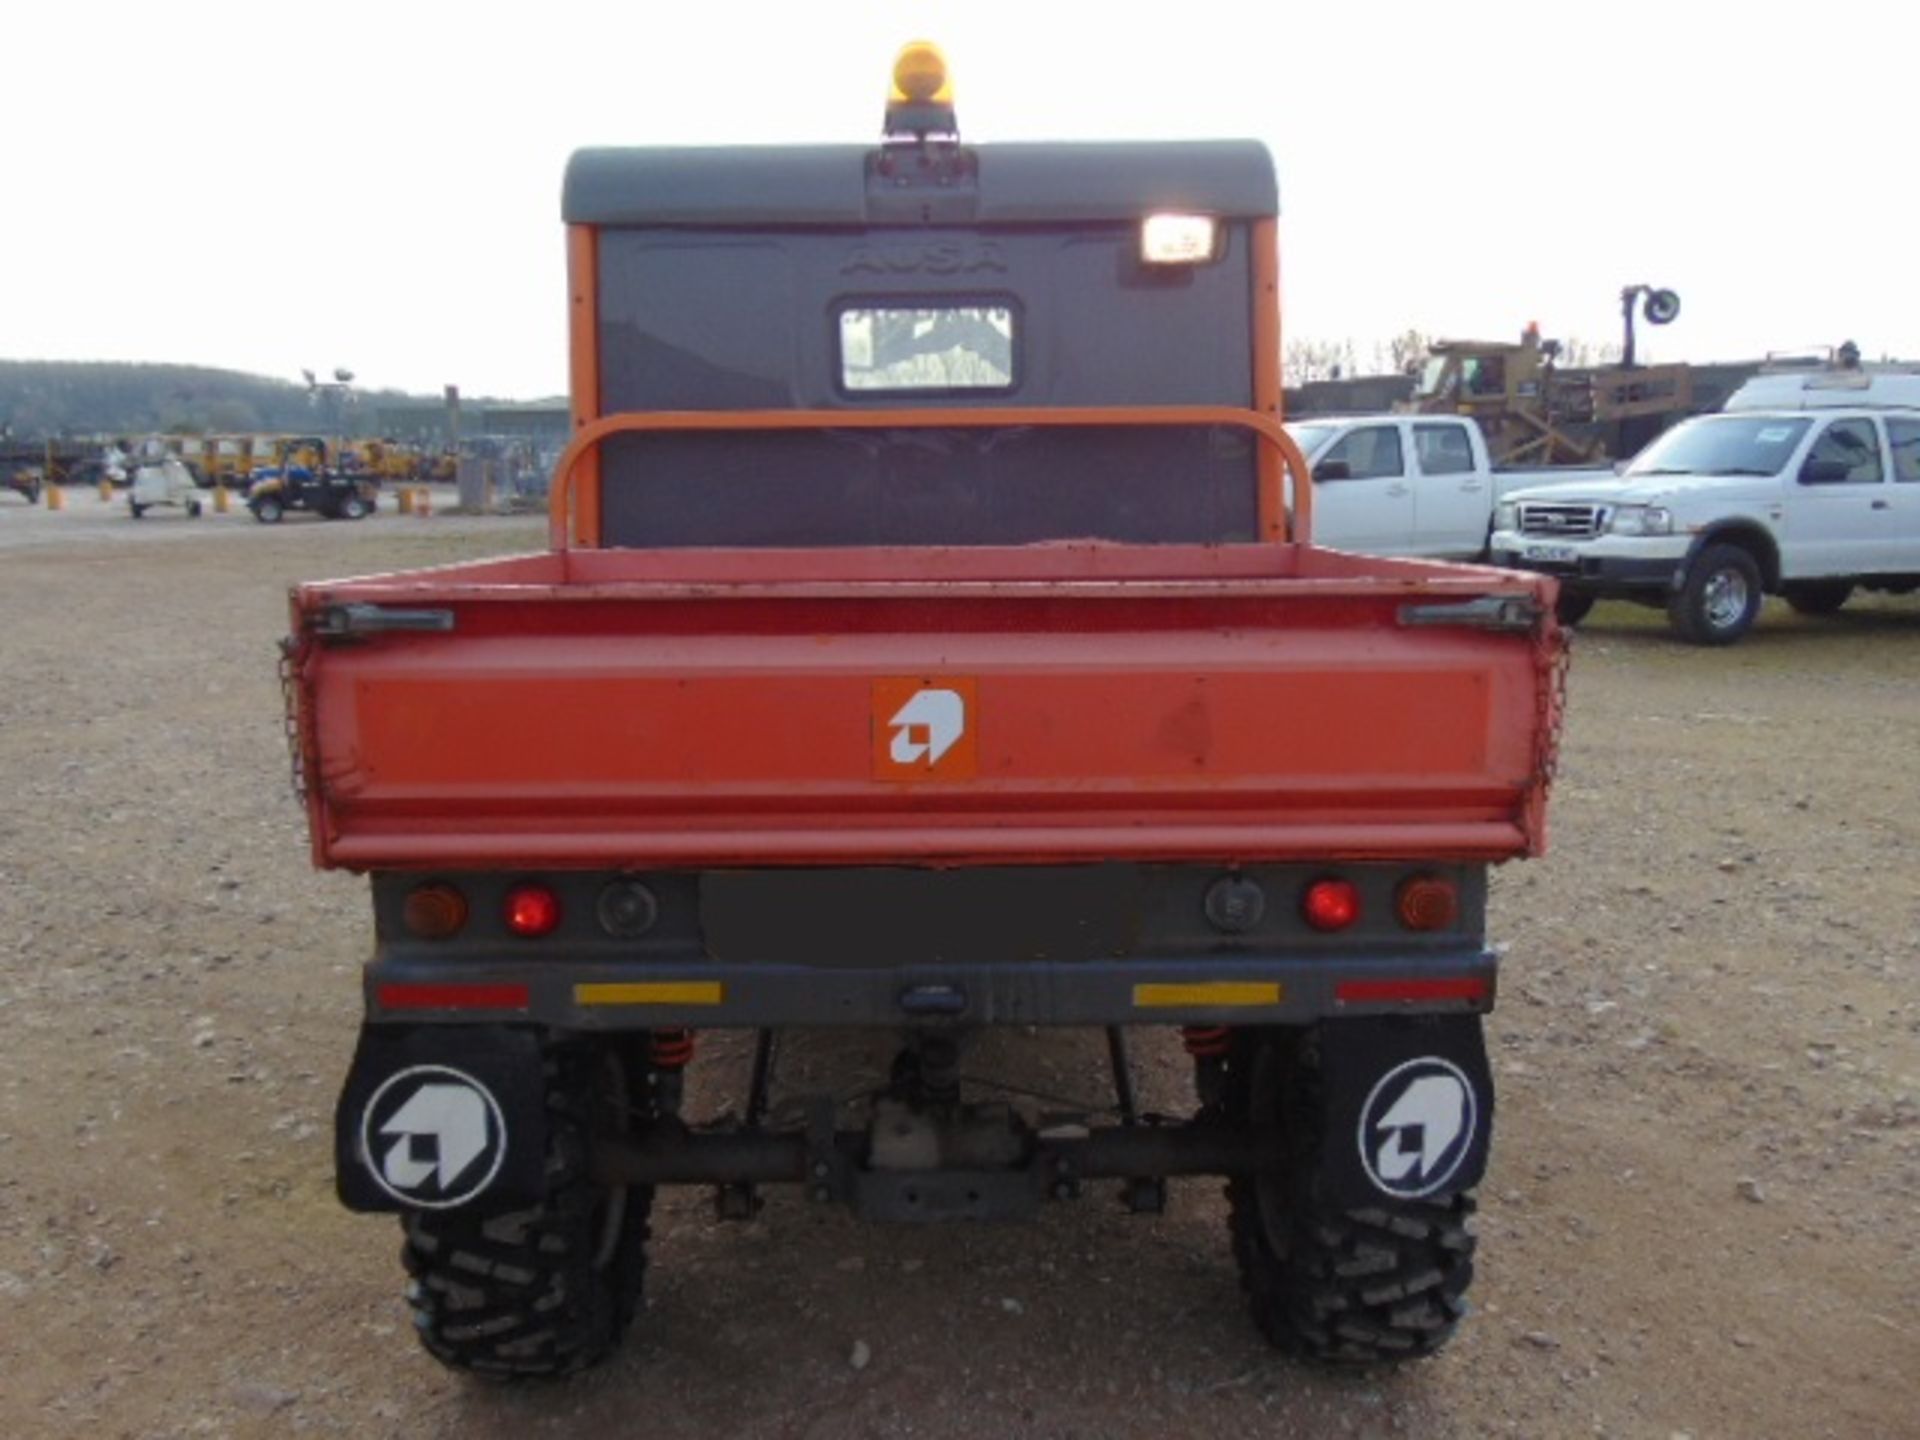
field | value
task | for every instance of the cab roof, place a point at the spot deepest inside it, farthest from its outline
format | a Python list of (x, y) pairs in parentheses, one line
[(1855, 409), (827, 185), (1829, 389)]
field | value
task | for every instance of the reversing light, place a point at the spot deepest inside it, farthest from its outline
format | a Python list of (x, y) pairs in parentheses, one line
[(1178, 239), (1330, 904), (434, 912), (532, 911), (1427, 902), (1235, 904), (626, 909)]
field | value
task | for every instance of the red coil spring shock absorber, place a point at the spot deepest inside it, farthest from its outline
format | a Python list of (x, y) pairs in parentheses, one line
[(670, 1049), (1209, 1046), (669, 1052), (1206, 1042)]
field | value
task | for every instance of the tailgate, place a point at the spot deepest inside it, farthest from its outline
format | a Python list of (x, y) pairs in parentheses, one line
[(609, 709)]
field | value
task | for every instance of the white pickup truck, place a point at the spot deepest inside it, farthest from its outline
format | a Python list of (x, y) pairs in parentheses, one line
[(1418, 485), (1806, 487)]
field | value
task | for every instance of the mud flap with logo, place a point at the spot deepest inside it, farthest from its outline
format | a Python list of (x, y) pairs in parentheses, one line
[(1409, 1107), (441, 1118)]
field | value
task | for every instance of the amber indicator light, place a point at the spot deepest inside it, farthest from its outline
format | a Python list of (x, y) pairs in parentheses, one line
[(1427, 902), (434, 912)]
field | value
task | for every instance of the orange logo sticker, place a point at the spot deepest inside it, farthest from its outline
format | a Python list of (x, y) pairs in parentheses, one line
[(924, 729)]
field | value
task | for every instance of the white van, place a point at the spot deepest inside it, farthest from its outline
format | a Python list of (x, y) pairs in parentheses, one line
[(163, 482)]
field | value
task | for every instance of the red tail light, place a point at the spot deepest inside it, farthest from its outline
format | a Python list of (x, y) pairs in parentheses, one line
[(532, 911), (1330, 904), (434, 912), (1427, 902)]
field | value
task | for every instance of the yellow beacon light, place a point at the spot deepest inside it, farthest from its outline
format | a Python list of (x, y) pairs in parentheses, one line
[(920, 75)]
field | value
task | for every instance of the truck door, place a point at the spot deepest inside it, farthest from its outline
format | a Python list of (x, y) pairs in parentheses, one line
[(1368, 506), (1451, 494), (1837, 503), (1902, 555)]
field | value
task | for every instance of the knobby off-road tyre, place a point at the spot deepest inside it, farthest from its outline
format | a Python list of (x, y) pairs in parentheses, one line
[(1378, 1285), (1818, 597), (546, 1291), (1720, 598)]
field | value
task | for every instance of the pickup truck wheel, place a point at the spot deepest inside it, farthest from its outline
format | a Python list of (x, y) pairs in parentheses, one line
[(1819, 597), (1571, 608), (1720, 598), (1378, 1285), (550, 1290)]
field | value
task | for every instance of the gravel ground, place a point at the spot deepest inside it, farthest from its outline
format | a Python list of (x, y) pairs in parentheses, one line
[(1703, 1216)]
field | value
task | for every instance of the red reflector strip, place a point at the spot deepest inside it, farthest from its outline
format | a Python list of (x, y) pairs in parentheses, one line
[(453, 997), (1365, 992)]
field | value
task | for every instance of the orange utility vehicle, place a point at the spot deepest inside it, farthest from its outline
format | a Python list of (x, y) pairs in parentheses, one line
[(930, 640)]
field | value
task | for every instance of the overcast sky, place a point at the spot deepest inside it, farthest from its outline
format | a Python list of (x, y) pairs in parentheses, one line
[(267, 187)]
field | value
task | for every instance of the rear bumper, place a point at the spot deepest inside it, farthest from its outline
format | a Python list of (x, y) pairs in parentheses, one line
[(1105, 944), (1242, 989)]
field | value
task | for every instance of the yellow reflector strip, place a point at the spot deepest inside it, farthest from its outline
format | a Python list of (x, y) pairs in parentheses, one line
[(1211, 992), (652, 992)]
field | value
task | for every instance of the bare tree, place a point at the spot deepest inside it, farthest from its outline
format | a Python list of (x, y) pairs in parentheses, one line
[(1409, 350), (1310, 360)]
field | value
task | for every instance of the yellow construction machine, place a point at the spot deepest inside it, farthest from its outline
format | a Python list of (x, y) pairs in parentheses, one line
[(1534, 413)]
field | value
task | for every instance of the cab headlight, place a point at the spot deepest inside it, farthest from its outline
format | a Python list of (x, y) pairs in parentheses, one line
[(1642, 520), (1506, 516)]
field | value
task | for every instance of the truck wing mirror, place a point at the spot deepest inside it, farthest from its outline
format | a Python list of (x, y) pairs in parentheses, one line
[(1824, 472), (1333, 470)]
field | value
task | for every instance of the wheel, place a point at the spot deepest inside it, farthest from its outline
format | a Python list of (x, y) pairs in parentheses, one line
[(1720, 598), (1571, 607), (550, 1290), (1378, 1285), (353, 508), (268, 511), (193, 509), (1819, 597), (138, 510)]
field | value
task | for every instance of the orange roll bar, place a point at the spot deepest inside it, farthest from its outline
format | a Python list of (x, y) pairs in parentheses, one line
[(568, 525)]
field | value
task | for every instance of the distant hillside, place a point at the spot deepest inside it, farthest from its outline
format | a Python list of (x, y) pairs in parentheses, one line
[(45, 398)]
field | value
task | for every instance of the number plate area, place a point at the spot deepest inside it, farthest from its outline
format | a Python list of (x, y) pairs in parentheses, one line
[(1551, 554)]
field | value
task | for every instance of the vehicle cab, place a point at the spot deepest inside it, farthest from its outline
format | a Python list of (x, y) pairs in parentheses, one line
[(1399, 484), (1803, 487)]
